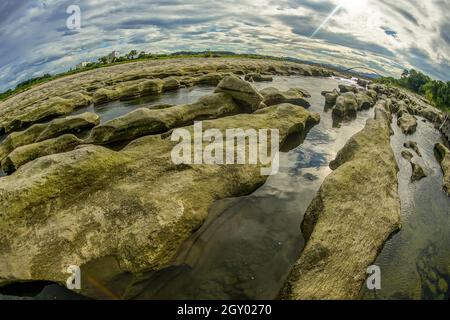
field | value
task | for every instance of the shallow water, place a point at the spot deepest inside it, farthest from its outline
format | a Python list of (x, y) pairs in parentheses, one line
[(248, 244), (416, 258), (111, 110)]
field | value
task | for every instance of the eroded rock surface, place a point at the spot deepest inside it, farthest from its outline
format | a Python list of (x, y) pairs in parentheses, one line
[(346, 106), (257, 77), (443, 156), (407, 155), (413, 145), (242, 92), (134, 206), (295, 96), (29, 152), (64, 95), (355, 211), (407, 123), (41, 132), (330, 97), (146, 121), (417, 172)]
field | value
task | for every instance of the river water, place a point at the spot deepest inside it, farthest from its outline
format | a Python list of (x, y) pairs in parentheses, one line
[(247, 245), (415, 262)]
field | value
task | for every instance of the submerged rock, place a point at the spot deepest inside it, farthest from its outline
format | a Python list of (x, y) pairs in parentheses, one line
[(146, 121), (412, 145), (343, 88), (330, 97), (443, 157), (407, 123), (29, 152), (274, 96), (242, 92), (353, 214), (257, 77), (407, 155), (346, 106), (134, 206)]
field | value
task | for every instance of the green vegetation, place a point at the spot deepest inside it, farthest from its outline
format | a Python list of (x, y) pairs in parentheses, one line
[(436, 91)]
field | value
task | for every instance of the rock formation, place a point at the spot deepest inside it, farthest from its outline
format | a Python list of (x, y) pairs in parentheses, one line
[(355, 211), (295, 96), (407, 123), (443, 156), (134, 206)]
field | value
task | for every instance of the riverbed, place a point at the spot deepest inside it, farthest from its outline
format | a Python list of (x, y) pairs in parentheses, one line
[(247, 245)]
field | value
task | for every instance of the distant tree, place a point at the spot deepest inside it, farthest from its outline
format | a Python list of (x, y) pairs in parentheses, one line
[(142, 55), (416, 80), (131, 54), (405, 73)]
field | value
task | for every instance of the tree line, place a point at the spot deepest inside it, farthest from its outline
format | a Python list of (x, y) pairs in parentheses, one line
[(436, 91)]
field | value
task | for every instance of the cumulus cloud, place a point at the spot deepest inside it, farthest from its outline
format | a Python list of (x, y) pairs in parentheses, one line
[(385, 35)]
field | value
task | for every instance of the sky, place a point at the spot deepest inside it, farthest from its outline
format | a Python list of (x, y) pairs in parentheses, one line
[(384, 35)]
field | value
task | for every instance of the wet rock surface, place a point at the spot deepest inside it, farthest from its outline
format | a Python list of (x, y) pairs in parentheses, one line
[(407, 123), (295, 96), (412, 145), (443, 157), (417, 172)]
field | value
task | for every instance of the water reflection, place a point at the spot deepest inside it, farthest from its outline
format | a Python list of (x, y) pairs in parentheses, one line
[(247, 246), (119, 108), (415, 262)]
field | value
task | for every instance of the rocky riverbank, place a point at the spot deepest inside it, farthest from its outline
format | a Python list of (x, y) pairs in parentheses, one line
[(107, 196), (62, 209), (355, 211), (63, 96)]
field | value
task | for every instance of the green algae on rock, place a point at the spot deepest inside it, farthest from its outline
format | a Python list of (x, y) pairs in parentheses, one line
[(29, 152)]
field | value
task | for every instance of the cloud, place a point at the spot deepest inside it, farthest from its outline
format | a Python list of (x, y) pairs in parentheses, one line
[(385, 35)]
